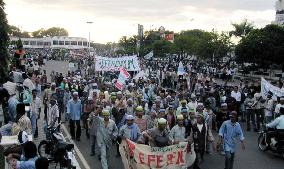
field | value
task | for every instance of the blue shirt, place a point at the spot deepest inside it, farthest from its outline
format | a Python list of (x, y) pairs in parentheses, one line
[(230, 133), (12, 108), (74, 109), (29, 164), (278, 123)]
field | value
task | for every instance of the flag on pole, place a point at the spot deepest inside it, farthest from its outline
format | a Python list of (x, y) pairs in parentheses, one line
[(123, 76), (149, 55)]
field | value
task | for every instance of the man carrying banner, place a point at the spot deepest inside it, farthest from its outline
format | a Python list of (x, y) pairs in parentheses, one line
[(177, 133), (158, 136), (130, 130)]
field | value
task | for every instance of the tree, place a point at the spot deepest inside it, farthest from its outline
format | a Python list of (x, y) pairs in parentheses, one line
[(14, 31), (162, 47), (242, 29), (4, 57), (38, 33), (262, 46), (55, 31), (128, 45)]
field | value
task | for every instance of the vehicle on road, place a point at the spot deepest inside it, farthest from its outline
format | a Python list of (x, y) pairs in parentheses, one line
[(56, 149)]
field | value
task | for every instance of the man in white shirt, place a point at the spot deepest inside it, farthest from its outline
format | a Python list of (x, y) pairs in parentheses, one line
[(268, 106), (236, 94), (279, 105), (35, 111)]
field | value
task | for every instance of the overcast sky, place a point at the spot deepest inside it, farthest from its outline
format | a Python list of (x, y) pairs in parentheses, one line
[(115, 18)]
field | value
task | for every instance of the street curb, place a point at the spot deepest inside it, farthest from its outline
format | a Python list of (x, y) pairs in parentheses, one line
[(78, 152)]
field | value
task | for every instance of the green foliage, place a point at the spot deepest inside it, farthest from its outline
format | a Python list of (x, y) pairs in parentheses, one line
[(4, 57), (55, 31), (38, 33), (162, 47), (262, 46), (129, 45), (16, 32), (19, 43), (242, 29)]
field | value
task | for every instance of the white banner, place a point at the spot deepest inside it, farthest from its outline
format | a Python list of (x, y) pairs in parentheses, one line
[(140, 156), (130, 63), (266, 87)]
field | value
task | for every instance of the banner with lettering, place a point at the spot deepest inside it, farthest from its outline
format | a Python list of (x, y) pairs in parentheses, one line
[(130, 63), (140, 156), (266, 87)]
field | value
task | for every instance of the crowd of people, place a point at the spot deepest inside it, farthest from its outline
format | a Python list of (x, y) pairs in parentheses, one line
[(159, 110)]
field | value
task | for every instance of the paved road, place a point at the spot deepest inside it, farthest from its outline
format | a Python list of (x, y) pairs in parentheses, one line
[(251, 158)]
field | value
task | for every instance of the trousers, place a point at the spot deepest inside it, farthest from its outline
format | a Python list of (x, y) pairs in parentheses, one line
[(229, 160), (104, 155), (72, 128)]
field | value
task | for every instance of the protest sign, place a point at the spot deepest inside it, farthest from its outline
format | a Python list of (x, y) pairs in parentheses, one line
[(266, 87), (123, 76), (130, 63), (140, 156)]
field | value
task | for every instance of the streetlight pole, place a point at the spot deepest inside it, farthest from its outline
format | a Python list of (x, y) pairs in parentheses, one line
[(89, 45)]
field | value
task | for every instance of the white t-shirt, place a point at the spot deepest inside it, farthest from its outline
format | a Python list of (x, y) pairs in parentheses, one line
[(236, 95)]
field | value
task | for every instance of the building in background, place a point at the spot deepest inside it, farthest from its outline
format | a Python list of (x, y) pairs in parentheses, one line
[(55, 42), (279, 20)]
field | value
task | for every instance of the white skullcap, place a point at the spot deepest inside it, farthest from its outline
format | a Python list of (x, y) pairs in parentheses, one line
[(129, 117)]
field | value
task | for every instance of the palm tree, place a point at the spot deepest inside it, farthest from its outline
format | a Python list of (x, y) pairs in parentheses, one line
[(242, 29)]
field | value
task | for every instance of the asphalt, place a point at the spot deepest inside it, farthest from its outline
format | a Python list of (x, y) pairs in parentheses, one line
[(251, 158)]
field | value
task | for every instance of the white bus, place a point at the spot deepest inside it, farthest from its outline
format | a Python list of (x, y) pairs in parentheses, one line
[(53, 42)]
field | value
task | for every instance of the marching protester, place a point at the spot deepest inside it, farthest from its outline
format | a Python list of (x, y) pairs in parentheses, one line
[(160, 109), (229, 132), (35, 112), (106, 133), (74, 111)]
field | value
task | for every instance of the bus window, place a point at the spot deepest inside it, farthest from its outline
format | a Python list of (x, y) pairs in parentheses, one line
[(67, 42), (32, 42), (61, 42), (26, 42), (85, 43), (55, 42), (79, 43), (39, 43), (73, 42)]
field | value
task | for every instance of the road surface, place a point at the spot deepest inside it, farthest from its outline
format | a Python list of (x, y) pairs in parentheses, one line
[(251, 158)]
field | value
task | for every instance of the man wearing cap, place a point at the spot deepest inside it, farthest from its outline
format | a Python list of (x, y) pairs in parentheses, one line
[(229, 132), (53, 113), (93, 127), (130, 130), (106, 133), (140, 119), (74, 110), (201, 133), (47, 95), (88, 108), (177, 133), (183, 106), (170, 116), (66, 98), (130, 107), (158, 136)]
